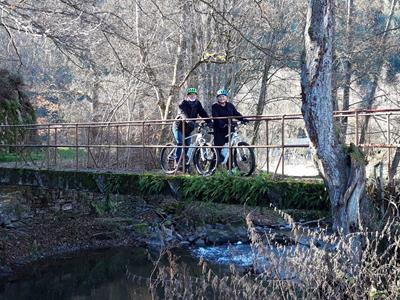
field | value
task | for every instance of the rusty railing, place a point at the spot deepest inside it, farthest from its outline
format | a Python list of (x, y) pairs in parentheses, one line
[(133, 146)]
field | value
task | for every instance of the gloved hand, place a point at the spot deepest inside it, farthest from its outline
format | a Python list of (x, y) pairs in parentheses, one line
[(191, 124), (233, 125)]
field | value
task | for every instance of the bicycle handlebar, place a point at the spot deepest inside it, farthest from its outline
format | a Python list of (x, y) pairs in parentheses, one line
[(238, 123)]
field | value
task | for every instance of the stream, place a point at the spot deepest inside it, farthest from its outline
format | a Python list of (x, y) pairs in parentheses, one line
[(115, 274), (111, 274)]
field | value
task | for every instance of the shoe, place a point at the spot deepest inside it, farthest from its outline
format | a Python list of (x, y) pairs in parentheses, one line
[(180, 168)]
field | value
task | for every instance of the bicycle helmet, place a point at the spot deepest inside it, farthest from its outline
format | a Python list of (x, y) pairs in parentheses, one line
[(222, 92), (191, 90)]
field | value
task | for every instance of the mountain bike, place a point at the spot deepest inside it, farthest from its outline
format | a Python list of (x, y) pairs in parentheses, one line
[(200, 153), (244, 158)]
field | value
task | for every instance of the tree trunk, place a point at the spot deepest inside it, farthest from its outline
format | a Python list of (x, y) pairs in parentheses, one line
[(394, 164), (347, 63), (369, 97), (150, 73), (178, 67), (343, 171), (261, 99)]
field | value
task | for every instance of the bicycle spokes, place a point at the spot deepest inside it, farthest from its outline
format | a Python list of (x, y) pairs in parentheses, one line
[(168, 159), (205, 160), (244, 158), (172, 155)]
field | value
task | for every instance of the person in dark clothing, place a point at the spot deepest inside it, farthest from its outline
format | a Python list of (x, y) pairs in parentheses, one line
[(188, 109), (223, 108)]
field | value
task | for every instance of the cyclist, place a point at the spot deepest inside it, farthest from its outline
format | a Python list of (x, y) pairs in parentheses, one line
[(189, 108), (223, 108)]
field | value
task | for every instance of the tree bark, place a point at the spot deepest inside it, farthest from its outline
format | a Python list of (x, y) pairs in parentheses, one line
[(394, 164), (343, 169), (261, 99), (347, 63)]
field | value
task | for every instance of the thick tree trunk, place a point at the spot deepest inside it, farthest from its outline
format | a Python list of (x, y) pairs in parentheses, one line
[(344, 173)]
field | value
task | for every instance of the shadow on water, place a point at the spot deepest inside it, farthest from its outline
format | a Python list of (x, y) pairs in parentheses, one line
[(111, 274), (98, 275)]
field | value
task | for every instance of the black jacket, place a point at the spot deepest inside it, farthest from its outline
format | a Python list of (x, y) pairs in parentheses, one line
[(221, 125), (189, 110), (228, 110)]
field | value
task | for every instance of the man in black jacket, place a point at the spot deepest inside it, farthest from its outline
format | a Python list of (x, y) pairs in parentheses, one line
[(223, 108), (188, 109)]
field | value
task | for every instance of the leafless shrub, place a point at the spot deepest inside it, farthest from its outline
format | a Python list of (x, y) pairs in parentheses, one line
[(311, 264)]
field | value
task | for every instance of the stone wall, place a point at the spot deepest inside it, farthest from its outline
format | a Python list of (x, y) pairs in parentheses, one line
[(20, 205), (261, 190)]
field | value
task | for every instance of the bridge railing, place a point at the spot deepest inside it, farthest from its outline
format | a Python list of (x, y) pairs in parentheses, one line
[(281, 145)]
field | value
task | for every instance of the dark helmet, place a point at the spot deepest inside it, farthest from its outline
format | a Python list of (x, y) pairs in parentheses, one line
[(191, 90), (222, 92)]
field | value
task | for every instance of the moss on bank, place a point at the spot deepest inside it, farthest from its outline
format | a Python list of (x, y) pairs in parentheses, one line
[(260, 190)]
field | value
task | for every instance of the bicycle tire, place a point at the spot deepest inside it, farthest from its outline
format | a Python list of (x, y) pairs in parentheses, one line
[(211, 159), (167, 162), (250, 158)]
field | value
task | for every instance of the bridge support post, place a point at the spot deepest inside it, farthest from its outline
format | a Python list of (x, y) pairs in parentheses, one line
[(76, 148), (48, 147), (109, 146), (267, 141), (389, 150), (229, 145), (117, 143), (283, 144), (356, 131), (143, 145), (55, 147)]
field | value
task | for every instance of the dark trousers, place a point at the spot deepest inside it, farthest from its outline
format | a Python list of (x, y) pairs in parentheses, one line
[(178, 134), (219, 140)]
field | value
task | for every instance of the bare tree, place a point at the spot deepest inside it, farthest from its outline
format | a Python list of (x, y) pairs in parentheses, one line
[(369, 96), (343, 170)]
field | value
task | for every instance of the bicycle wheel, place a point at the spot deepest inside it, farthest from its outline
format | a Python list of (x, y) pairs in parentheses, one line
[(167, 158), (244, 159), (205, 159)]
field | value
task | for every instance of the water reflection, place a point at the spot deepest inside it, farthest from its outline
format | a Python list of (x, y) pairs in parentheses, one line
[(123, 274), (100, 276)]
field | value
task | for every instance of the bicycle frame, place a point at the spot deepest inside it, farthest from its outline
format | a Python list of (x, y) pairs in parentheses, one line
[(235, 139), (199, 141)]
